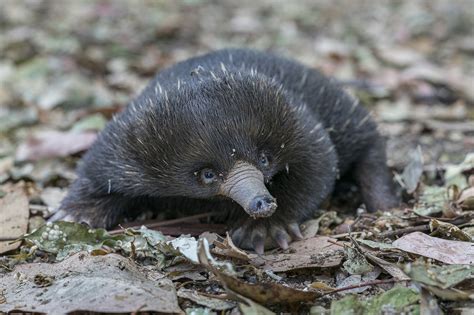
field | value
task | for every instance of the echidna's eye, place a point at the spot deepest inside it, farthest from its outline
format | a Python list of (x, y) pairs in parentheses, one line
[(263, 160), (208, 176)]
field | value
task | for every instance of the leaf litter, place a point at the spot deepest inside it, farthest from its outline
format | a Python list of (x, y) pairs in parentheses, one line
[(59, 84)]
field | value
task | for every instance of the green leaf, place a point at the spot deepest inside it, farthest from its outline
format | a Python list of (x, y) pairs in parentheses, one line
[(454, 173), (356, 264), (432, 200), (350, 305), (443, 277), (92, 122), (65, 238), (400, 299)]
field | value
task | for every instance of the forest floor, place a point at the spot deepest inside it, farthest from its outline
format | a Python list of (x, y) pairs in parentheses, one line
[(66, 67)]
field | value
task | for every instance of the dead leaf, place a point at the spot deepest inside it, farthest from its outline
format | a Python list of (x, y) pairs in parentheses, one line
[(249, 307), (109, 283), (14, 215), (454, 173), (311, 227), (264, 292), (432, 200), (210, 302), (449, 252), (228, 249), (412, 173), (390, 268), (354, 280), (466, 199), (267, 292), (50, 144), (315, 252), (52, 196), (356, 263), (449, 231), (399, 56), (444, 281)]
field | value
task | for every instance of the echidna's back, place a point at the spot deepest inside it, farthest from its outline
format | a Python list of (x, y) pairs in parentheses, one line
[(350, 126)]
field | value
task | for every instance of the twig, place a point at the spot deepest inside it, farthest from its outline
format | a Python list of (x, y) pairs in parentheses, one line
[(365, 284), (343, 235), (418, 228), (336, 243), (9, 239), (167, 222), (426, 228)]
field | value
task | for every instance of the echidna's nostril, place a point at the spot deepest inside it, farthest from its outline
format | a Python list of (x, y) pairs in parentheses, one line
[(268, 200), (263, 205)]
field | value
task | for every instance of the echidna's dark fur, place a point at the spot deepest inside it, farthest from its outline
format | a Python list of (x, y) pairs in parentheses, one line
[(225, 106)]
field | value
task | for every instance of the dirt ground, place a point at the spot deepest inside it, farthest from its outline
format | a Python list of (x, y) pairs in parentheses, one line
[(66, 67)]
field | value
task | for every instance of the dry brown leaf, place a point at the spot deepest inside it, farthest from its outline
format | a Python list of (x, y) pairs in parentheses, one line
[(391, 269), (449, 252), (228, 249), (210, 302), (315, 252), (267, 292), (399, 56), (50, 144), (109, 284), (14, 215), (466, 199), (263, 292)]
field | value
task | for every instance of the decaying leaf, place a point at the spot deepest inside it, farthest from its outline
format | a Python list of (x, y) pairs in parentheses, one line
[(376, 245), (432, 200), (311, 227), (443, 277), (109, 283), (52, 196), (49, 144), (315, 252), (412, 173), (187, 246), (356, 263), (354, 280), (14, 212), (466, 199), (449, 252), (397, 299), (66, 238), (249, 307), (228, 249), (448, 231), (391, 268), (210, 302), (268, 292), (442, 280), (454, 173), (95, 122)]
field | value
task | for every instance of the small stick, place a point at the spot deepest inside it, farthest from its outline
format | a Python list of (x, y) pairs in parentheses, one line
[(336, 243), (418, 228), (9, 239), (365, 284), (347, 234), (168, 222)]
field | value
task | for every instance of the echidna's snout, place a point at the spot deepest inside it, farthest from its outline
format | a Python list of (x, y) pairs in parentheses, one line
[(245, 185)]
